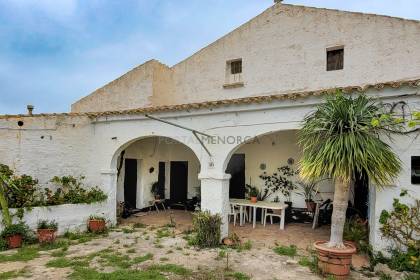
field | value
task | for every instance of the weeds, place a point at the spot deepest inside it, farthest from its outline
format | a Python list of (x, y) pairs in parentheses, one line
[(290, 251)]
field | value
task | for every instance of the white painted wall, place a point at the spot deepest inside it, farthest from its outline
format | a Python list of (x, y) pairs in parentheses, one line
[(274, 150), (149, 152), (70, 217)]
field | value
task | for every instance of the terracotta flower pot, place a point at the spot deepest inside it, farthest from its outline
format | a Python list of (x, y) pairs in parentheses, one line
[(14, 241), (46, 235), (253, 199), (96, 225), (333, 261), (227, 241)]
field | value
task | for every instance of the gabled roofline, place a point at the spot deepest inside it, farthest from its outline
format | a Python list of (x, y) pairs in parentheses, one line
[(291, 6)]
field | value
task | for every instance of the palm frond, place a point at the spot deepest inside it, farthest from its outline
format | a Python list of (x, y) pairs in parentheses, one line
[(338, 140)]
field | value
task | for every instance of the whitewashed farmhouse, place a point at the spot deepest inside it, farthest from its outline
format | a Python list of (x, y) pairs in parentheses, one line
[(259, 80)]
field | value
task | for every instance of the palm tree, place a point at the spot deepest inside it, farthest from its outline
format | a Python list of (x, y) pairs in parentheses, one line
[(339, 141)]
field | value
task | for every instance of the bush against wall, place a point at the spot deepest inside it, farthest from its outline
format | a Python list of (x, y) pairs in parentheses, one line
[(402, 226), (206, 228), (67, 189)]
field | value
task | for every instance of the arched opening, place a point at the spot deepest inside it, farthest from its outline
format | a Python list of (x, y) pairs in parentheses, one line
[(154, 173), (271, 156)]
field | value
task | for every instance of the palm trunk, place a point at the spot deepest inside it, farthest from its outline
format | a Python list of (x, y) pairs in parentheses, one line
[(341, 194), (7, 220)]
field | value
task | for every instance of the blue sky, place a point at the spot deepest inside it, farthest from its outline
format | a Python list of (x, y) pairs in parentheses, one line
[(53, 52)]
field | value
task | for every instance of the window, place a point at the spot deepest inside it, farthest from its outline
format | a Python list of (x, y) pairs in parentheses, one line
[(236, 67), (335, 58), (233, 74), (415, 170)]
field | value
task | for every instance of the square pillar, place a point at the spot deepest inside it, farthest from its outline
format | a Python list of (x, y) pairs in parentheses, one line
[(109, 186), (215, 197)]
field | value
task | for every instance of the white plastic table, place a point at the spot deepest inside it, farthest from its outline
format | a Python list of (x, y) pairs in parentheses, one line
[(259, 204)]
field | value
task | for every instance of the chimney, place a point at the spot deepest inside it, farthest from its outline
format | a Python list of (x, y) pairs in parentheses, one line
[(30, 109)]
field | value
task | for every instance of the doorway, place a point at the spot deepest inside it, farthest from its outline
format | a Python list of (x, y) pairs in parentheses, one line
[(130, 183), (179, 181), (361, 194), (161, 179), (236, 168)]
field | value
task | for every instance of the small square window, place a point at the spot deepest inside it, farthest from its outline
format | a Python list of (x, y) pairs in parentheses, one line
[(335, 59), (415, 170), (236, 67)]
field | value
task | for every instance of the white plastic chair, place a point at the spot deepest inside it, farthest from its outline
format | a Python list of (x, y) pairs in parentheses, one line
[(233, 212), (276, 213)]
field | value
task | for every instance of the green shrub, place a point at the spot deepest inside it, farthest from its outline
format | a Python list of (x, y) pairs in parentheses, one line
[(290, 251), (14, 229), (206, 228), (402, 226), (97, 217), (45, 224), (27, 193), (3, 244)]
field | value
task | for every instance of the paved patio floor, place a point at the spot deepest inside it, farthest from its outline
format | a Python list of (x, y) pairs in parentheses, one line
[(301, 235)]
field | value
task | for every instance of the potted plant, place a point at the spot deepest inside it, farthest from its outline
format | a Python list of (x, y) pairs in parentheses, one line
[(96, 224), (47, 231), (340, 139), (155, 190), (14, 235), (309, 190), (252, 192), (280, 181)]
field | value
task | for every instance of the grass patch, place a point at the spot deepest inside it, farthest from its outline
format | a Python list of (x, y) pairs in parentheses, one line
[(23, 254), (161, 233), (131, 251), (290, 251), (311, 262), (62, 262), (127, 230), (144, 258), (164, 259), (14, 274), (112, 259), (91, 274), (60, 253), (237, 275), (139, 225), (171, 268), (83, 237)]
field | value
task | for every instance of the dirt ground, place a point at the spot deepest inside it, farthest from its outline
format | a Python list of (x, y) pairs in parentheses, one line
[(169, 246)]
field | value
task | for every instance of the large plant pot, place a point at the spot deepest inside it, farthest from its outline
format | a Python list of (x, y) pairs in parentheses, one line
[(253, 199), (96, 225), (14, 241), (333, 261), (46, 235)]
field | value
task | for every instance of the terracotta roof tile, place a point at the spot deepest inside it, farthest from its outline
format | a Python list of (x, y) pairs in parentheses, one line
[(237, 101)]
